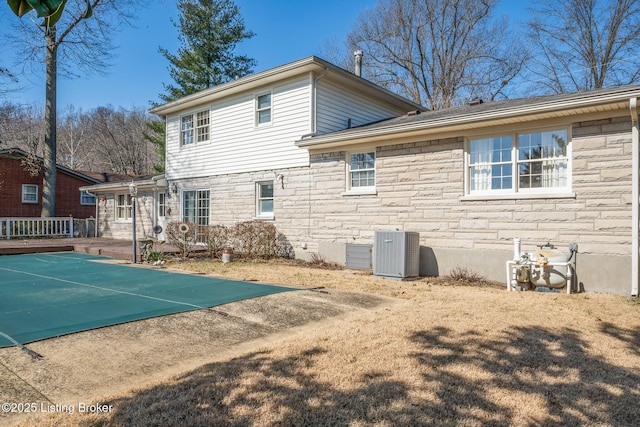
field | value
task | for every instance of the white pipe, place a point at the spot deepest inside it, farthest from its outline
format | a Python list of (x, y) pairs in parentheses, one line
[(314, 102), (516, 248), (635, 196)]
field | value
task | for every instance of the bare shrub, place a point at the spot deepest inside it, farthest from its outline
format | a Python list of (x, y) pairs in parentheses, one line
[(182, 235), (255, 239), (217, 239), (466, 276), (258, 239)]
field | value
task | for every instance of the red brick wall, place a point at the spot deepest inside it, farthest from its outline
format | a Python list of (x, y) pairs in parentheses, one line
[(12, 176)]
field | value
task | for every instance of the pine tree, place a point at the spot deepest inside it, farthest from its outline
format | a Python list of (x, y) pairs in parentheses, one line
[(210, 30), (209, 33)]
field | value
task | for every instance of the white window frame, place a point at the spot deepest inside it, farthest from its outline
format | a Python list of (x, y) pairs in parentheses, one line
[(263, 109), (260, 200), (516, 191), (30, 196), (202, 199), (84, 197), (359, 189), (162, 204), (125, 207), (195, 128)]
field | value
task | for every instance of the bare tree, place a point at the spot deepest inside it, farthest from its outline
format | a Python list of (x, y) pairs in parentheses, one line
[(22, 127), (438, 53), (75, 148), (72, 47), (118, 137), (585, 44)]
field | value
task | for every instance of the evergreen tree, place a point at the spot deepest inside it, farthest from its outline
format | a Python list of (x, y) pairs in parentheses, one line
[(209, 33)]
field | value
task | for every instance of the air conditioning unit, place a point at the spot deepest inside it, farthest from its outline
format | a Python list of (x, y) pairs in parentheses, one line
[(396, 254)]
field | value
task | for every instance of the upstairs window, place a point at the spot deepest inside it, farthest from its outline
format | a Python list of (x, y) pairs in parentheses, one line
[(202, 126), (194, 128), (29, 193), (264, 199), (362, 171), (263, 109), (186, 130), (521, 162)]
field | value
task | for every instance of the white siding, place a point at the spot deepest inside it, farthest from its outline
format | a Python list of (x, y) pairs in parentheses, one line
[(237, 144), (337, 104)]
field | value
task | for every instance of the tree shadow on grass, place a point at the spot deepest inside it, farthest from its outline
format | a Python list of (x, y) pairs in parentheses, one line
[(550, 370), (259, 388), (466, 378)]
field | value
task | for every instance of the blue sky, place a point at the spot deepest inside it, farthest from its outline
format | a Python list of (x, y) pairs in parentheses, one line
[(285, 31)]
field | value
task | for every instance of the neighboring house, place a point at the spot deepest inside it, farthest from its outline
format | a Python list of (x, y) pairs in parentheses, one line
[(21, 193), (292, 146)]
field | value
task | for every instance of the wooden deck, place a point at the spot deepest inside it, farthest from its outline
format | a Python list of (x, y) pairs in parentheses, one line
[(118, 249)]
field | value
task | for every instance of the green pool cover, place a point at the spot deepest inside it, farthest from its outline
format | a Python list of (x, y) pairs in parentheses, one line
[(53, 294)]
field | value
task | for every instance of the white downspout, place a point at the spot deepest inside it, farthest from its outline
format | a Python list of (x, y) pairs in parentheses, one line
[(635, 195), (314, 102)]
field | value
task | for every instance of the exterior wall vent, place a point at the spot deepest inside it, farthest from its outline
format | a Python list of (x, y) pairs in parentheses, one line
[(396, 254), (359, 256)]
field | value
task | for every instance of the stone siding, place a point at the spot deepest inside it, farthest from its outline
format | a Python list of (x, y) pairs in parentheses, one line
[(420, 187)]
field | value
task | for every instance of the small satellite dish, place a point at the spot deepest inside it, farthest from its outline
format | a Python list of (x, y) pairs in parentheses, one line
[(157, 229)]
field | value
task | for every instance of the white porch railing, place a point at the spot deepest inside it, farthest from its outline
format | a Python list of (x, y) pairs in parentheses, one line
[(36, 227)]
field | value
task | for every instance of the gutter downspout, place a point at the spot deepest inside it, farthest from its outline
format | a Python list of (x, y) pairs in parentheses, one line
[(635, 196), (314, 103)]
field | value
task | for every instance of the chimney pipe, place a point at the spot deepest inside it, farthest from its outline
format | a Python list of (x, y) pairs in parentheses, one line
[(358, 68)]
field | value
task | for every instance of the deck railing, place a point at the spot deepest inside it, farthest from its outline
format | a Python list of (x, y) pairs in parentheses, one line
[(21, 228)]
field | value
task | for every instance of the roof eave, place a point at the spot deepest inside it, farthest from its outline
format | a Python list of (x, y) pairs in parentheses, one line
[(576, 105), (270, 76), (124, 185)]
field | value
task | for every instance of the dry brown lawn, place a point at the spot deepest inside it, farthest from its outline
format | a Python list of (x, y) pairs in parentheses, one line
[(425, 354)]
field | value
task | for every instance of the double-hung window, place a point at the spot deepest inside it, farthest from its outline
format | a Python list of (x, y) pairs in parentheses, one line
[(195, 206), (526, 162), (361, 172), (29, 193), (194, 127), (263, 109), (264, 199), (123, 206)]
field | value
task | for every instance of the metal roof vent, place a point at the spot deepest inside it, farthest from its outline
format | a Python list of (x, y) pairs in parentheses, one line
[(358, 61), (476, 101)]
